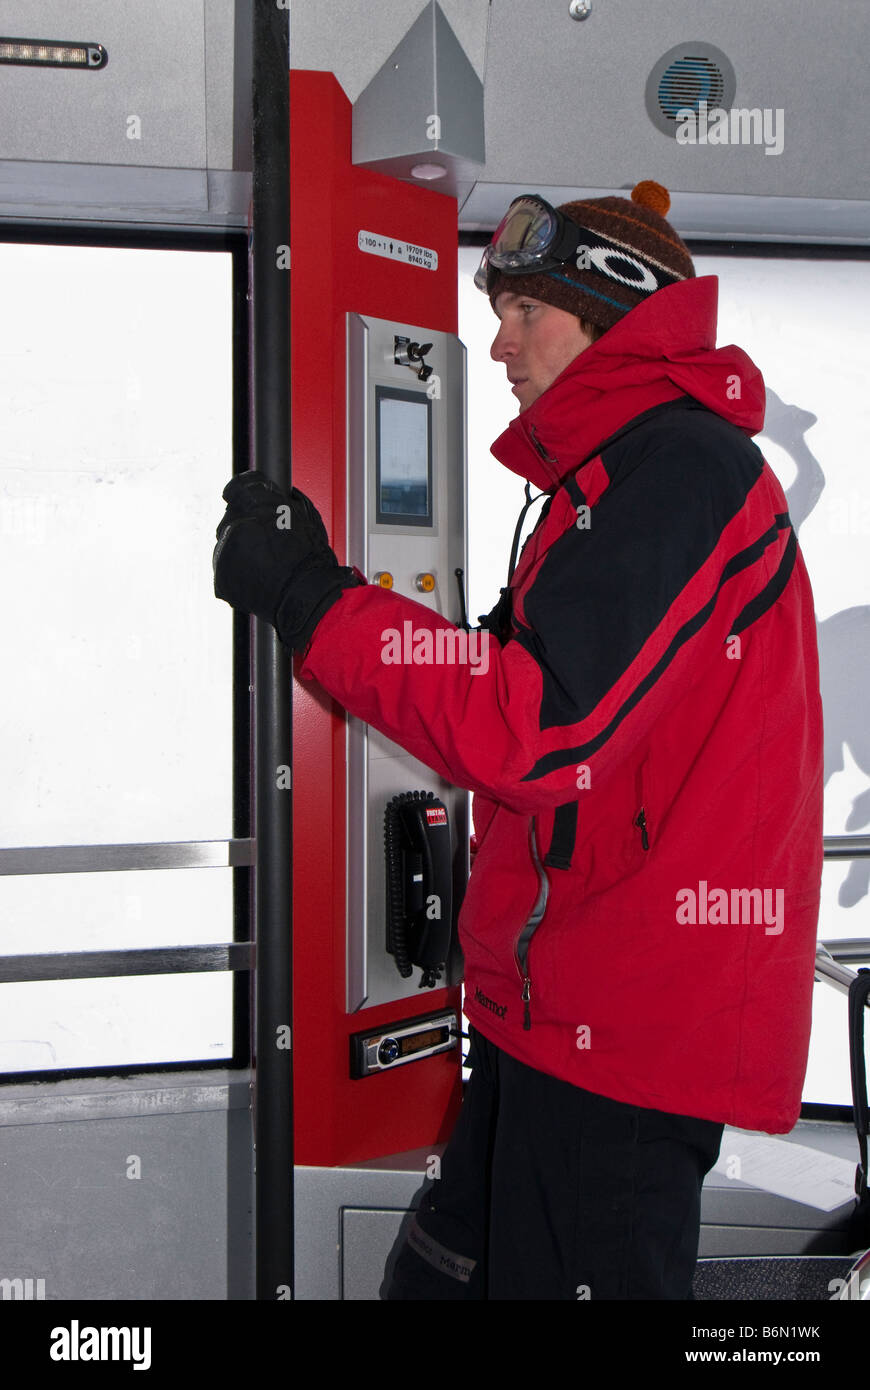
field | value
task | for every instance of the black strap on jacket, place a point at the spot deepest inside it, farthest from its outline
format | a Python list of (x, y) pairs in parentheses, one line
[(564, 836), (518, 530)]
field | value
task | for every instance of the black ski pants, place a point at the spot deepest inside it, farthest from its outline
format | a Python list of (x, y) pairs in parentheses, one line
[(547, 1191)]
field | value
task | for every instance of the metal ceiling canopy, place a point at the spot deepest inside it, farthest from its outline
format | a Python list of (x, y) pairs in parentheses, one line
[(566, 109), (570, 109), (159, 134)]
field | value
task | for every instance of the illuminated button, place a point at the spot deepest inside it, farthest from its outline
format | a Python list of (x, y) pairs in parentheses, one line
[(384, 578), (425, 583)]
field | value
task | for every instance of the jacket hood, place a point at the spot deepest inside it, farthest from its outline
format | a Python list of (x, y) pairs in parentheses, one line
[(662, 350)]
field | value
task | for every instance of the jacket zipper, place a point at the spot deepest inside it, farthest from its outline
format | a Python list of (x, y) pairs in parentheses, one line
[(640, 820), (523, 941)]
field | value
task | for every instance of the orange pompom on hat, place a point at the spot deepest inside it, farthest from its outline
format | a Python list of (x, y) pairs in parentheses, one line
[(627, 252)]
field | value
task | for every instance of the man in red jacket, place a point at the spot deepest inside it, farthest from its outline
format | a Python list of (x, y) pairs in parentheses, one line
[(645, 751)]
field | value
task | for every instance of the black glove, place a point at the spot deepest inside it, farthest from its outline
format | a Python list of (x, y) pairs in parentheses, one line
[(498, 620), (273, 558)]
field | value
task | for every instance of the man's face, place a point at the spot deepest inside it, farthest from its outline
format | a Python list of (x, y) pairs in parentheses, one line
[(536, 341)]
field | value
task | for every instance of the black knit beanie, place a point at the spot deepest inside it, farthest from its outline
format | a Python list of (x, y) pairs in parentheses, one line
[(628, 251)]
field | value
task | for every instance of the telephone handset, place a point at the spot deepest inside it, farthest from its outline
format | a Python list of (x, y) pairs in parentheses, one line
[(419, 884)]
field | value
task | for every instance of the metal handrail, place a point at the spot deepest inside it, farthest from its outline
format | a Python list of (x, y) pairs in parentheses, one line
[(846, 846), (846, 949), (94, 859), (831, 972), (113, 964), (234, 853)]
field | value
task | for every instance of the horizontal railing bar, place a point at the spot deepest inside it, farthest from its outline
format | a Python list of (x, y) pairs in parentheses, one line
[(848, 948), (95, 965), (832, 973), (846, 846), (222, 854), (89, 859)]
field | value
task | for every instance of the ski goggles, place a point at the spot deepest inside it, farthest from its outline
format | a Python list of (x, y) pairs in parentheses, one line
[(534, 238), (531, 237)]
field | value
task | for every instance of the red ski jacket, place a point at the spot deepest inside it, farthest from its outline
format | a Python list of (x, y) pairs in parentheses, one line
[(645, 743)]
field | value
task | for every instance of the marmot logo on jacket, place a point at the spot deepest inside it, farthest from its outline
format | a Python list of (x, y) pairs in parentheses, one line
[(498, 1009)]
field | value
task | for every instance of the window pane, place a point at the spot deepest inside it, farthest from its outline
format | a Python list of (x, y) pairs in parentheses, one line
[(843, 914), (803, 322), (116, 414), (115, 911), (65, 1024)]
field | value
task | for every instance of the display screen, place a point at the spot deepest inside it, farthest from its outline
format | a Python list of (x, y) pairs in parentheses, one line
[(404, 457), (415, 1042)]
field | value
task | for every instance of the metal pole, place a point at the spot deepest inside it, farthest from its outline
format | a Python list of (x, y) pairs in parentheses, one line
[(273, 1101), (832, 973)]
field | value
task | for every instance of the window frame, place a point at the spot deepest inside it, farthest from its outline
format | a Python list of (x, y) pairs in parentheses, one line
[(236, 956)]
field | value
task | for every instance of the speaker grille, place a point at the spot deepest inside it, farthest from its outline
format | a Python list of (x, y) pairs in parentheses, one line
[(684, 77)]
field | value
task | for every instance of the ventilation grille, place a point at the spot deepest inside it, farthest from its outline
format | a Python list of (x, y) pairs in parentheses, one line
[(684, 77), (687, 82)]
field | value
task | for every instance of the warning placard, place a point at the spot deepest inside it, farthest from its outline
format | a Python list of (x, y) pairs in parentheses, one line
[(395, 250)]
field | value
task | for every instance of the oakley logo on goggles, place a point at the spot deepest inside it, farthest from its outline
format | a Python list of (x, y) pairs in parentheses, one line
[(535, 238)]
